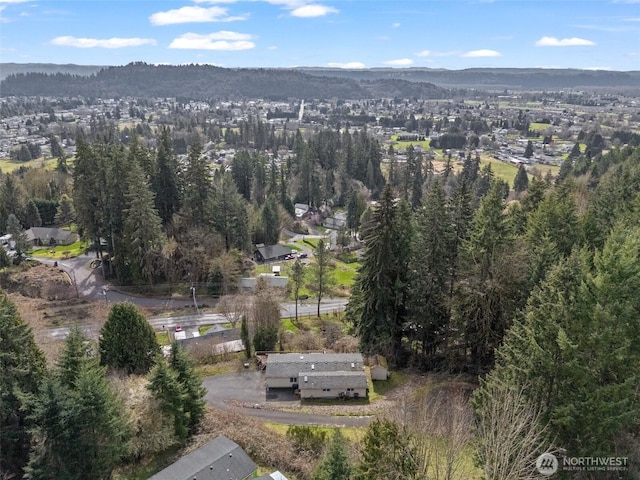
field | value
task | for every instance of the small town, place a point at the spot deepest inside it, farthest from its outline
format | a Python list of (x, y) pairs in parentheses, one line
[(296, 240)]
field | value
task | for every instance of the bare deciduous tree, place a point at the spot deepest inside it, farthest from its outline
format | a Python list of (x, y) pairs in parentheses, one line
[(510, 431), (442, 424), (233, 307)]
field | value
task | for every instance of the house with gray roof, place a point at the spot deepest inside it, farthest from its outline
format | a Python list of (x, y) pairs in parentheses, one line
[(220, 459), (341, 384), (327, 374), (50, 236), (271, 253)]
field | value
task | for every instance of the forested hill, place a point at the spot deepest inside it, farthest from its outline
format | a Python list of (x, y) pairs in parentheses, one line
[(200, 82), (7, 69), (512, 78)]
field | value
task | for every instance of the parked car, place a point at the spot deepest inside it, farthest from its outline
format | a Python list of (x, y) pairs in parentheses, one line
[(178, 328), (302, 255)]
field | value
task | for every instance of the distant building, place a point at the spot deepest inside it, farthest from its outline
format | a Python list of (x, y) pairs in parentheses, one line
[(301, 209), (271, 253), (220, 459)]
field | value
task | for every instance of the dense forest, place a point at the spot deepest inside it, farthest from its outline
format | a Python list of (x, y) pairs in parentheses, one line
[(206, 82)]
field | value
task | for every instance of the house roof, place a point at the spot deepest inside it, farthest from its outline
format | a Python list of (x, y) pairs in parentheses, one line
[(269, 252), (290, 364), (46, 233), (332, 380), (220, 459)]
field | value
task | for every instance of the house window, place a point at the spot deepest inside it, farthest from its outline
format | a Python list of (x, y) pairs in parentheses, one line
[(293, 379), (326, 389), (349, 389)]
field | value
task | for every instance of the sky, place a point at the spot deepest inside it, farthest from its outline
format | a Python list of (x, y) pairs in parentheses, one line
[(451, 34)]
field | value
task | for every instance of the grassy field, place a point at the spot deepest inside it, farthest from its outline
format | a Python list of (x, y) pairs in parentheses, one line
[(404, 145), (537, 127), (350, 433), (7, 165)]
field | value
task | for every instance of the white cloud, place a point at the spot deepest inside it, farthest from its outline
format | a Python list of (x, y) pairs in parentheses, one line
[(115, 42), (635, 19), (192, 15), (272, 47), (481, 53), (424, 53), (228, 41), (14, 1), (597, 68), (346, 65), (395, 25), (563, 42), (446, 54), (313, 10), (400, 62)]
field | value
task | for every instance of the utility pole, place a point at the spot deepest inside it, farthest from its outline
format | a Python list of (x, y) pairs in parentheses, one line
[(195, 303), (104, 292), (75, 283)]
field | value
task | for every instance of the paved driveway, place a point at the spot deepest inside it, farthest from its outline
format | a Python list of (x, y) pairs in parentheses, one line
[(247, 388)]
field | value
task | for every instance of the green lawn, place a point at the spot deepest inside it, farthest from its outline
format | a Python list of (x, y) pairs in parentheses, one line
[(536, 127), (62, 251)]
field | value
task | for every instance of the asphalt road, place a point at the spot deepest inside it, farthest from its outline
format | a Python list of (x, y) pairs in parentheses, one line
[(245, 392), (91, 286)]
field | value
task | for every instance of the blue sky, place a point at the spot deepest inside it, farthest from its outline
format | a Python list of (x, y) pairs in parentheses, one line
[(452, 34)]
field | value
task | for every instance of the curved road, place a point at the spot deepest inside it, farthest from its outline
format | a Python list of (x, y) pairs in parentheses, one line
[(244, 392), (91, 286)]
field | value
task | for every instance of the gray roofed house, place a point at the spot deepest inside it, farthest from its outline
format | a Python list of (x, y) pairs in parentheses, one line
[(283, 370), (220, 459), (287, 364), (268, 253), (333, 380), (50, 236)]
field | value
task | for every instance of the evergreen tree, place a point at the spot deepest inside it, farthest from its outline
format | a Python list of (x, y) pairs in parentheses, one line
[(194, 392), (127, 341), (22, 367), (143, 233), (165, 179), (163, 382), (575, 353), (388, 452), (335, 465), (489, 295), (76, 351), (271, 221), (521, 180), (80, 428), (429, 270), (228, 212), (32, 215), (65, 213), (378, 303), (197, 183), (528, 151)]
